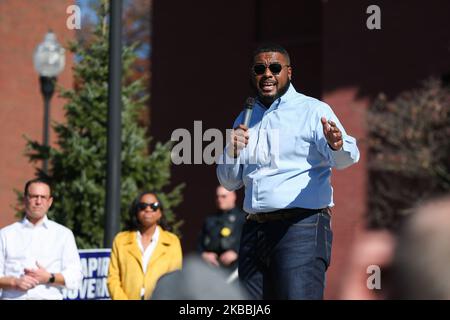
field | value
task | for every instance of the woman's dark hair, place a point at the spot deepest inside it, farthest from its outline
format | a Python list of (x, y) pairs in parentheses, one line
[(133, 222)]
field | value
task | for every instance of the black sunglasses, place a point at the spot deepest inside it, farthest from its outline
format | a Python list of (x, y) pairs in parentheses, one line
[(275, 68), (143, 205)]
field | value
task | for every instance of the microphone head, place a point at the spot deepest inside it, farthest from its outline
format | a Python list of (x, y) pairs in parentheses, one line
[(249, 102)]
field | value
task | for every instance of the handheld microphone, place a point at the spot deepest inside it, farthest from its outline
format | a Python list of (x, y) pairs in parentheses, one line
[(248, 110)]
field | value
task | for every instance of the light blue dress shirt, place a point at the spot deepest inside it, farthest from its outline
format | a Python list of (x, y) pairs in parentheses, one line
[(287, 162)]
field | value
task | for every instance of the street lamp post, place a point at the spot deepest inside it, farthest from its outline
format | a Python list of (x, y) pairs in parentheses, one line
[(112, 223), (49, 61)]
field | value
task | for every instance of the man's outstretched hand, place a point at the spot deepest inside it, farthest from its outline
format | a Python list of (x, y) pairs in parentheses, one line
[(332, 134)]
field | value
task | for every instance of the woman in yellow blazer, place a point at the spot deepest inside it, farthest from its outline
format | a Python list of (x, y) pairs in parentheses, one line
[(143, 253)]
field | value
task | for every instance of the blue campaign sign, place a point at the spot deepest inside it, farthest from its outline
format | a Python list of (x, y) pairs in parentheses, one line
[(95, 264)]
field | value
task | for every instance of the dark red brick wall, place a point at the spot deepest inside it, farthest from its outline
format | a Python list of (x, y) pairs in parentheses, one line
[(23, 25)]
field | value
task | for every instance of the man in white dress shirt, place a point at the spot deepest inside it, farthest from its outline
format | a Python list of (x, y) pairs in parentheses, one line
[(38, 257)]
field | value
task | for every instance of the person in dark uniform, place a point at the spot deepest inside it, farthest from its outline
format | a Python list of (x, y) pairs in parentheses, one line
[(220, 236)]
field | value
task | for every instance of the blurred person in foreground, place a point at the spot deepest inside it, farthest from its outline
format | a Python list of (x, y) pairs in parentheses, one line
[(420, 267), (38, 257), (197, 281), (221, 232), (413, 265), (143, 253)]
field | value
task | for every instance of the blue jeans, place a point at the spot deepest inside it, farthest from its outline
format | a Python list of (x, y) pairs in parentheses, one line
[(286, 259)]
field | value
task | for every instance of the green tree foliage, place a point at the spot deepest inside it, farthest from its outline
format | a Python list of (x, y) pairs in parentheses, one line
[(409, 151), (78, 163)]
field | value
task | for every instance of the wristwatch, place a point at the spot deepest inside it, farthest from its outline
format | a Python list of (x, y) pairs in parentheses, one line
[(52, 278)]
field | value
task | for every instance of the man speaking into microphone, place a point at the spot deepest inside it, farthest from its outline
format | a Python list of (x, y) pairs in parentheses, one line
[(283, 158)]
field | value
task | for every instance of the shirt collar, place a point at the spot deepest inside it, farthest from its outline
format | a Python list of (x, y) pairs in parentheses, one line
[(154, 236), (27, 223), (288, 94)]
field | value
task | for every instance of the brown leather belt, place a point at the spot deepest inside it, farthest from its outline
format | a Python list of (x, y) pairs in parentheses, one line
[(284, 214)]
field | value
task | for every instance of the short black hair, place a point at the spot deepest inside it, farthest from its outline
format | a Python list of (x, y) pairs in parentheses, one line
[(36, 180), (133, 222), (272, 47)]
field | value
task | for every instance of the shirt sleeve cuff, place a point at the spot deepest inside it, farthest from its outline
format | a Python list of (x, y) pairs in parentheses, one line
[(347, 155), (72, 279)]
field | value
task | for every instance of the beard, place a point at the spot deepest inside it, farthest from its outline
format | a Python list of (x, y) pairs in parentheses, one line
[(267, 100)]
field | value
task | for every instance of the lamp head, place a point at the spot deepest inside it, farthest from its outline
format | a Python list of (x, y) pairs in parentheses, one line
[(49, 58)]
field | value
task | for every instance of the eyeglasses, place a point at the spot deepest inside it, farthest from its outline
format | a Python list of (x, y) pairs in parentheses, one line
[(143, 205), (275, 68)]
